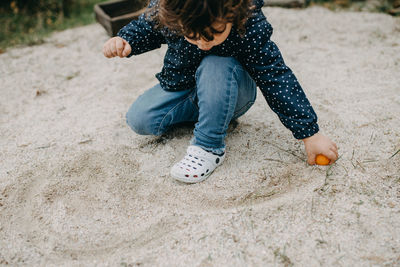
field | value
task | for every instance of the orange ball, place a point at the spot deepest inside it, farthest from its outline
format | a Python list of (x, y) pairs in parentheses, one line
[(322, 160)]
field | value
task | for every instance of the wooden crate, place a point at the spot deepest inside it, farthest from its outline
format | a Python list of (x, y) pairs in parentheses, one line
[(113, 15)]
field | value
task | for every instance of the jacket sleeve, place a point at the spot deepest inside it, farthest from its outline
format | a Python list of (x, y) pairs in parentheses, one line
[(283, 93), (141, 35)]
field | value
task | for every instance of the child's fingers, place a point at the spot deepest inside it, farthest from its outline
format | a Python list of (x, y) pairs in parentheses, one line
[(127, 50), (331, 155), (113, 47), (335, 146), (334, 150), (107, 52), (311, 159), (119, 45), (106, 49)]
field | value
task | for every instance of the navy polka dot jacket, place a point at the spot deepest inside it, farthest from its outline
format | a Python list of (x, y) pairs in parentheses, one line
[(255, 51)]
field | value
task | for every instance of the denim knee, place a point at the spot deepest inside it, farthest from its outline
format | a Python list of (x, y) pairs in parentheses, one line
[(140, 121), (217, 64)]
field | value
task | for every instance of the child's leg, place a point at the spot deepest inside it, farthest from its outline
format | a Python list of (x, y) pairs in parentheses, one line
[(156, 110), (224, 91)]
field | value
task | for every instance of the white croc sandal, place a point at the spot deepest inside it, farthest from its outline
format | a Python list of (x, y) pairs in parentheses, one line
[(196, 166)]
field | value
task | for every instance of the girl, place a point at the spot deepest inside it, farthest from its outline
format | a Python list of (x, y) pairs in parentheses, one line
[(219, 51)]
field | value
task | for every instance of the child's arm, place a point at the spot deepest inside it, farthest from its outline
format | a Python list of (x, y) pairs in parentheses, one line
[(281, 89), (277, 82)]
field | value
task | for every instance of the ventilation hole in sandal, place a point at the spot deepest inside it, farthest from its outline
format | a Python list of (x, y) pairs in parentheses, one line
[(199, 164), (196, 157), (183, 163), (202, 174), (189, 165), (195, 168), (195, 176), (190, 155), (189, 170), (193, 161), (202, 160), (186, 175), (207, 170), (217, 161)]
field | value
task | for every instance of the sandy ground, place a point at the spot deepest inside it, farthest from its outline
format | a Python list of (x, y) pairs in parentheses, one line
[(78, 187)]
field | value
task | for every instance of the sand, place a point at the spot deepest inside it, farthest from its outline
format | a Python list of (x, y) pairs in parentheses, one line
[(78, 187)]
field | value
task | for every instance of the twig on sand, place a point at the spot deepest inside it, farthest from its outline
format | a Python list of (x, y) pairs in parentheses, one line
[(277, 160), (85, 141), (359, 164), (329, 170), (394, 154), (287, 151), (369, 160), (351, 160), (312, 207), (45, 146), (328, 173)]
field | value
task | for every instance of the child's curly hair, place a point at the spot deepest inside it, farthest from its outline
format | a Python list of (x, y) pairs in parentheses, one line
[(195, 18)]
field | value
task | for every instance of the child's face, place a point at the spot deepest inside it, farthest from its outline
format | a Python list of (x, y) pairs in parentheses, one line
[(219, 38)]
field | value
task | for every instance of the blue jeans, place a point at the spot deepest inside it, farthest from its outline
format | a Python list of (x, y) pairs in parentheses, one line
[(224, 91)]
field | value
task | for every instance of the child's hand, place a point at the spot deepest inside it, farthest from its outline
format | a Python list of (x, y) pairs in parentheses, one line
[(116, 46), (320, 144)]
